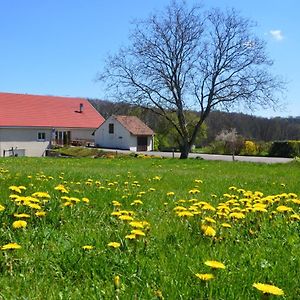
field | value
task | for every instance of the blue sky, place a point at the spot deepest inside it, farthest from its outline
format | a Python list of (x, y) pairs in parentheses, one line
[(57, 47)]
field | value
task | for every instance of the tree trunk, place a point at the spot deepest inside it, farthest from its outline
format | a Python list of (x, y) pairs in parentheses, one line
[(185, 150)]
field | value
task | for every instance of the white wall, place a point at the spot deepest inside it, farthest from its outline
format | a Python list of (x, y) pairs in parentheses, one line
[(120, 139), (24, 138), (81, 134), (27, 138)]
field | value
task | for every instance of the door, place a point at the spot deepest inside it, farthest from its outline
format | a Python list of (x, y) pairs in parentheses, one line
[(142, 143), (62, 137)]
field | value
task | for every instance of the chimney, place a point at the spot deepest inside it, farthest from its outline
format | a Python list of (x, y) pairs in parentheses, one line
[(81, 107)]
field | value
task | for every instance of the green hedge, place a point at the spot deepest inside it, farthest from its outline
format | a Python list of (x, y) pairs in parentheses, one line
[(285, 149)]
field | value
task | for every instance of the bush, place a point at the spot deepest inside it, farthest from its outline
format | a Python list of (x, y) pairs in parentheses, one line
[(285, 149), (263, 148), (249, 148)]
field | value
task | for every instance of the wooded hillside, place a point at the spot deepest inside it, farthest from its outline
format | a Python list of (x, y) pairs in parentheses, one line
[(248, 126)]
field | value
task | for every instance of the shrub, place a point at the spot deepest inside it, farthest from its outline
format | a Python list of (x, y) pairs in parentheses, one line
[(250, 148), (263, 148), (285, 149)]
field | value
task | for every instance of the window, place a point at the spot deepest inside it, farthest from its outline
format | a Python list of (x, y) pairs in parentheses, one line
[(111, 128), (41, 136)]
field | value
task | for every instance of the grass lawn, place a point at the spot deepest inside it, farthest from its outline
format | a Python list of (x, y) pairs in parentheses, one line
[(134, 228)]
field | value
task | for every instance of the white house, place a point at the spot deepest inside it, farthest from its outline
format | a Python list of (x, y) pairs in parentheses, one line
[(124, 132), (29, 124)]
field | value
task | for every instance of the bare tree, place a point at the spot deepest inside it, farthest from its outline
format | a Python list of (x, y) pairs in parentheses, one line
[(182, 59)]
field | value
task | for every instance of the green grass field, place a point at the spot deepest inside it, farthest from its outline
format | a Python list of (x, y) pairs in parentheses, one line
[(134, 228)]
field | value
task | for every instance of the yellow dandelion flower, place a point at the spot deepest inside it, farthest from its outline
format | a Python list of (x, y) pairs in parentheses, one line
[(145, 224), (258, 194), (40, 214), (125, 218), (198, 181), (87, 247), (185, 213), (11, 246), (208, 230), (21, 215), (296, 201), (130, 236), (15, 189), (232, 188), (292, 195), (193, 200), (227, 195), (32, 199), (136, 202), (208, 207), (283, 208), (41, 195), (158, 294), (209, 220), (237, 215), (226, 225), (214, 264), (116, 203), (85, 200), (138, 232), (205, 277), (62, 189), (295, 217), (115, 213), (194, 191), (181, 201), (19, 224), (114, 245), (74, 199), (221, 214), (258, 209), (136, 224), (117, 282), (260, 205), (2, 208), (179, 208), (268, 289), (33, 205), (170, 194), (194, 209)]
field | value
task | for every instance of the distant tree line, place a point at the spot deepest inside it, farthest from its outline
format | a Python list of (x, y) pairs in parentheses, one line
[(252, 127), (248, 126)]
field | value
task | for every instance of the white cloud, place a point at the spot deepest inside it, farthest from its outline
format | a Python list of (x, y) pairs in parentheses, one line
[(277, 35)]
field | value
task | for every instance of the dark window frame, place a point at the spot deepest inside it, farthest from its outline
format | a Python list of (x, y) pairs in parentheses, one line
[(111, 128), (41, 136)]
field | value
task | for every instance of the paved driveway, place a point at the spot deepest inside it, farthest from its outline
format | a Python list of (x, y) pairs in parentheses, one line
[(268, 160)]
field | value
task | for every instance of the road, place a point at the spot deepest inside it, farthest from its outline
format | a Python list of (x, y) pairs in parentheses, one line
[(257, 159)]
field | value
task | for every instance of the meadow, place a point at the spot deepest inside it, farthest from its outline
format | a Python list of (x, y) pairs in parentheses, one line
[(148, 228)]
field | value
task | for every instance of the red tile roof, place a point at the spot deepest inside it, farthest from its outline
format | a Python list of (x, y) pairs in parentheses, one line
[(18, 110), (134, 125)]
